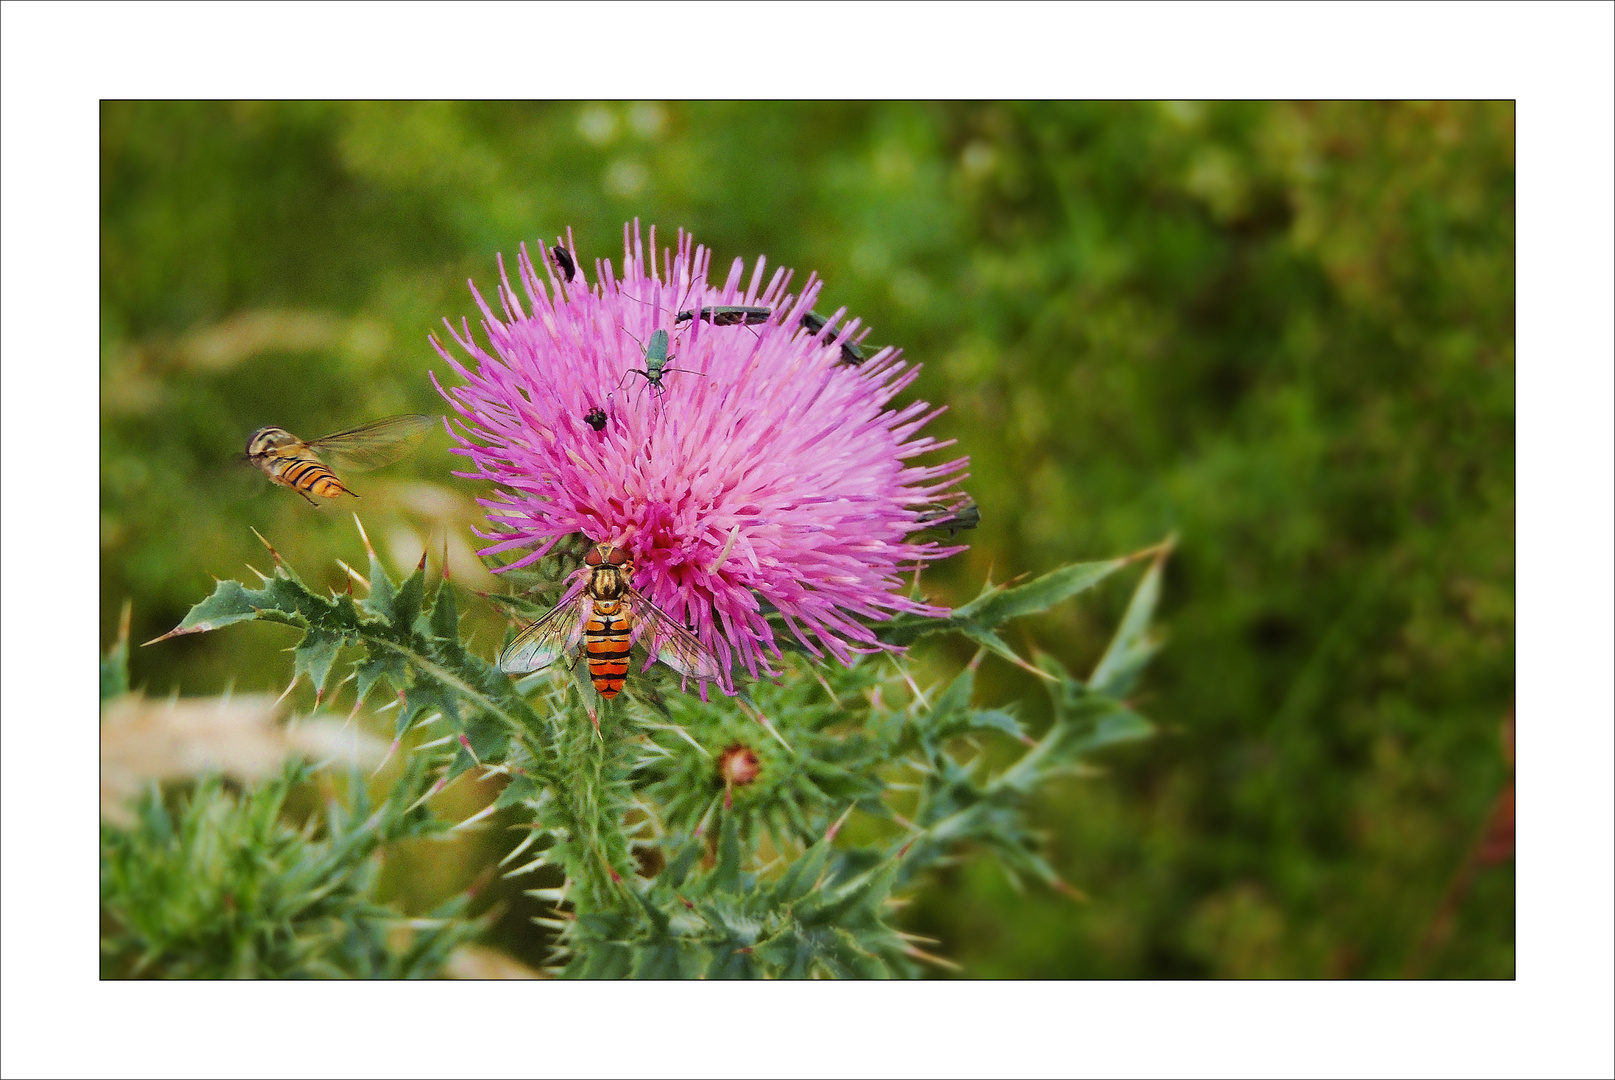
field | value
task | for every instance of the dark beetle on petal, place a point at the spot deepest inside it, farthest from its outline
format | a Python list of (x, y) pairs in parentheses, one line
[(852, 354), (596, 418), (563, 262)]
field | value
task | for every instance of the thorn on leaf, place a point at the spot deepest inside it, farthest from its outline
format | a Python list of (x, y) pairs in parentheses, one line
[(176, 632), (1069, 890), (368, 549), (840, 821), (272, 552)]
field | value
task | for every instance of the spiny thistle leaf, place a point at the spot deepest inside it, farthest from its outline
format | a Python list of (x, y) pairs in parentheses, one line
[(951, 715), (224, 887), (115, 663), (232, 602), (314, 656), (408, 641), (821, 917), (997, 604), (1132, 646), (711, 784)]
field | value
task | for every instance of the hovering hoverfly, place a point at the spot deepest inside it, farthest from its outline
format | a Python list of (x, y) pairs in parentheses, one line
[(301, 466), (607, 615)]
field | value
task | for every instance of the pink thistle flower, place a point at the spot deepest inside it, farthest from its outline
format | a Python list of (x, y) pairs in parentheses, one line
[(763, 472)]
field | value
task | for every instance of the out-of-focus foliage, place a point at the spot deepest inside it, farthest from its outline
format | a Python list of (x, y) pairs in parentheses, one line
[(221, 885), (144, 740), (1282, 331)]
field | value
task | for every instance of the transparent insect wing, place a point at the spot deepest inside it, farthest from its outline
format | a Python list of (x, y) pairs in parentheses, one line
[(555, 635), (671, 643), (373, 445)]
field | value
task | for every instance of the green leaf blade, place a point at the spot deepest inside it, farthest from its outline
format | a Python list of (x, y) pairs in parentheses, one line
[(1132, 646), (1037, 595)]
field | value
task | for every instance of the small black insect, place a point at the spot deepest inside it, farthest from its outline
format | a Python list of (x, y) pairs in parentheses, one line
[(563, 263), (852, 354), (596, 418)]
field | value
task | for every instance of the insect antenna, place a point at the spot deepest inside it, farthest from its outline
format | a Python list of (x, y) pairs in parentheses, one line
[(631, 371), (688, 289)]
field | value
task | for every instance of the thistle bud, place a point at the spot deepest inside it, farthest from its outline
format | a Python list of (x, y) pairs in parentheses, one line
[(738, 765)]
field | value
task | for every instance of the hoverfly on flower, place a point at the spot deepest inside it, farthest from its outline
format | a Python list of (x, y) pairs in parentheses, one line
[(607, 615), (302, 466)]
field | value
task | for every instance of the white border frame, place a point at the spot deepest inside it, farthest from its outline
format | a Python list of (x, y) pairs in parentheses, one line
[(1556, 60)]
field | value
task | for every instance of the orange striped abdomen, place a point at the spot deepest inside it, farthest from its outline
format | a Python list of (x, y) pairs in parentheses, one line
[(307, 475), (606, 641)]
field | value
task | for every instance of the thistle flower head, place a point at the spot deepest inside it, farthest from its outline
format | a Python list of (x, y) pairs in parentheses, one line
[(762, 473)]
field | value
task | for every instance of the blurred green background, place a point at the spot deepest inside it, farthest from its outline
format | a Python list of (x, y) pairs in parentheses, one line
[(1284, 331)]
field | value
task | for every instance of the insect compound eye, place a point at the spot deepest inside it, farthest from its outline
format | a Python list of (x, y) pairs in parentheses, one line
[(264, 439), (616, 556), (592, 558)]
